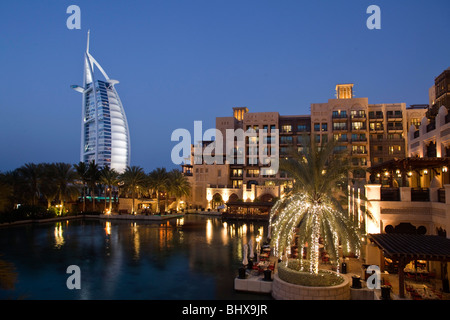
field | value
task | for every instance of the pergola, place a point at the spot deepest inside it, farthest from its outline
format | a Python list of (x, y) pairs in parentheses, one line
[(409, 247), (407, 165)]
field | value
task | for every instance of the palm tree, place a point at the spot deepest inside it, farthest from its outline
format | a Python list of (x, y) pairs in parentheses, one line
[(158, 181), (31, 174), (110, 178), (65, 178), (6, 192), (81, 169), (313, 205), (178, 185), (93, 177), (48, 188), (133, 178)]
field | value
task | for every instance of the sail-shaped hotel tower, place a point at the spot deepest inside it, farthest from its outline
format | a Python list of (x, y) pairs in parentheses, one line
[(105, 137)]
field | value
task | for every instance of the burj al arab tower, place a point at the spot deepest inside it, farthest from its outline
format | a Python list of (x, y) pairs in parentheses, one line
[(105, 137)]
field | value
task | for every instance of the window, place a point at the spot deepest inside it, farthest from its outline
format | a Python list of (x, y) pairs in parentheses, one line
[(324, 127), (286, 140), (340, 137), (302, 128), (316, 126), (236, 173), (357, 113), (339, 126), (359, 149), (395, 149), (253, 173), (286, 128), (317, 138), (324, 138), (339, 114), (358, 125), (237, 184)]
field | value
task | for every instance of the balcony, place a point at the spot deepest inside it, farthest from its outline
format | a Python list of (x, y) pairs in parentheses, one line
[(359, 128), (394, 117), (359, 116), (397, 127), (420, 194), (359, 152), (390, 194), (377, 129), (339, 116), (340, 128), (376, 116), (359, 139)]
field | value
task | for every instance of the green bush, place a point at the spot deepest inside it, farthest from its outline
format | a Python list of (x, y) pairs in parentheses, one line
[(296, 272)]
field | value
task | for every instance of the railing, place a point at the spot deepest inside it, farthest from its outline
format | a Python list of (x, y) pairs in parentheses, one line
[(390, 194), (420, 195), (339, 116), (441, 195), (394, 116), (375, 116)]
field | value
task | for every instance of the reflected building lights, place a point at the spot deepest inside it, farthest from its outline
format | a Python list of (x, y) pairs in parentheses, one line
[(58, 232), (209, 231), (108, 228)]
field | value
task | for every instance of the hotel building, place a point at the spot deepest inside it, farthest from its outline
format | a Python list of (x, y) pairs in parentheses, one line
[(105, 137), (372, 133)]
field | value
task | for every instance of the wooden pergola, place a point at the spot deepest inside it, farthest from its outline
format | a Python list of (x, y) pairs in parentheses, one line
[(409, 247), (406, 165)]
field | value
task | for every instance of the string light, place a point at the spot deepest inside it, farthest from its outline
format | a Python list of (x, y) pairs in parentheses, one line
[(315, 219)]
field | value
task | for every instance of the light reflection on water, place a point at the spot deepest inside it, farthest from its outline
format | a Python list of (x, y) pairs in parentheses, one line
[(193, 257)]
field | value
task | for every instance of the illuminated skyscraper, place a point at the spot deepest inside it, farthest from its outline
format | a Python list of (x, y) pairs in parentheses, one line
[(105, 136)]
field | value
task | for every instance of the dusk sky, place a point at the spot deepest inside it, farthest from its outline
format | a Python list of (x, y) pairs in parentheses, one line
[(181, 61)]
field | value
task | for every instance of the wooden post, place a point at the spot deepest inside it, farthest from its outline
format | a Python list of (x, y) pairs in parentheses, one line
[(401, 277)]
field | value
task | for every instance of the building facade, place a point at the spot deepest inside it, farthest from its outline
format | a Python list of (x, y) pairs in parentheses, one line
[(105, 137), (371, 133)]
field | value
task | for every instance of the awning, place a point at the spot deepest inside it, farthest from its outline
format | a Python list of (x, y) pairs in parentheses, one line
[(413, 246)]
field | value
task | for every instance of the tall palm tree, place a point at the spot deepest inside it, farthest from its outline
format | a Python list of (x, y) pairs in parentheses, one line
[(31, 174), (313, 205), (178, 184), (158, 182), (110, 178), (81, 169), (48, 188), (65, 178), (6, 192), (93, 177), (134, 179)]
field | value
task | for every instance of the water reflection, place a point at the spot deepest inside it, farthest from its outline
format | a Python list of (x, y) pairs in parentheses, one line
[(8, 275), (58, 232), (193, 257)]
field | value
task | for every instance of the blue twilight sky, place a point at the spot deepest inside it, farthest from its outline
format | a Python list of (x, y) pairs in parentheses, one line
[(180, 61)]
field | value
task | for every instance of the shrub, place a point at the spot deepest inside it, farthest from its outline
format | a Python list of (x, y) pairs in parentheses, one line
[(296, 272)]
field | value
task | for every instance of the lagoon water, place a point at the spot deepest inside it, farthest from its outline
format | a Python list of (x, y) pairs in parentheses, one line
[(194, 257)]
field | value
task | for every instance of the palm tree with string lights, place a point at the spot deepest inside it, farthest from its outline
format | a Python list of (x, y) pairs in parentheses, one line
[(312, 209)]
